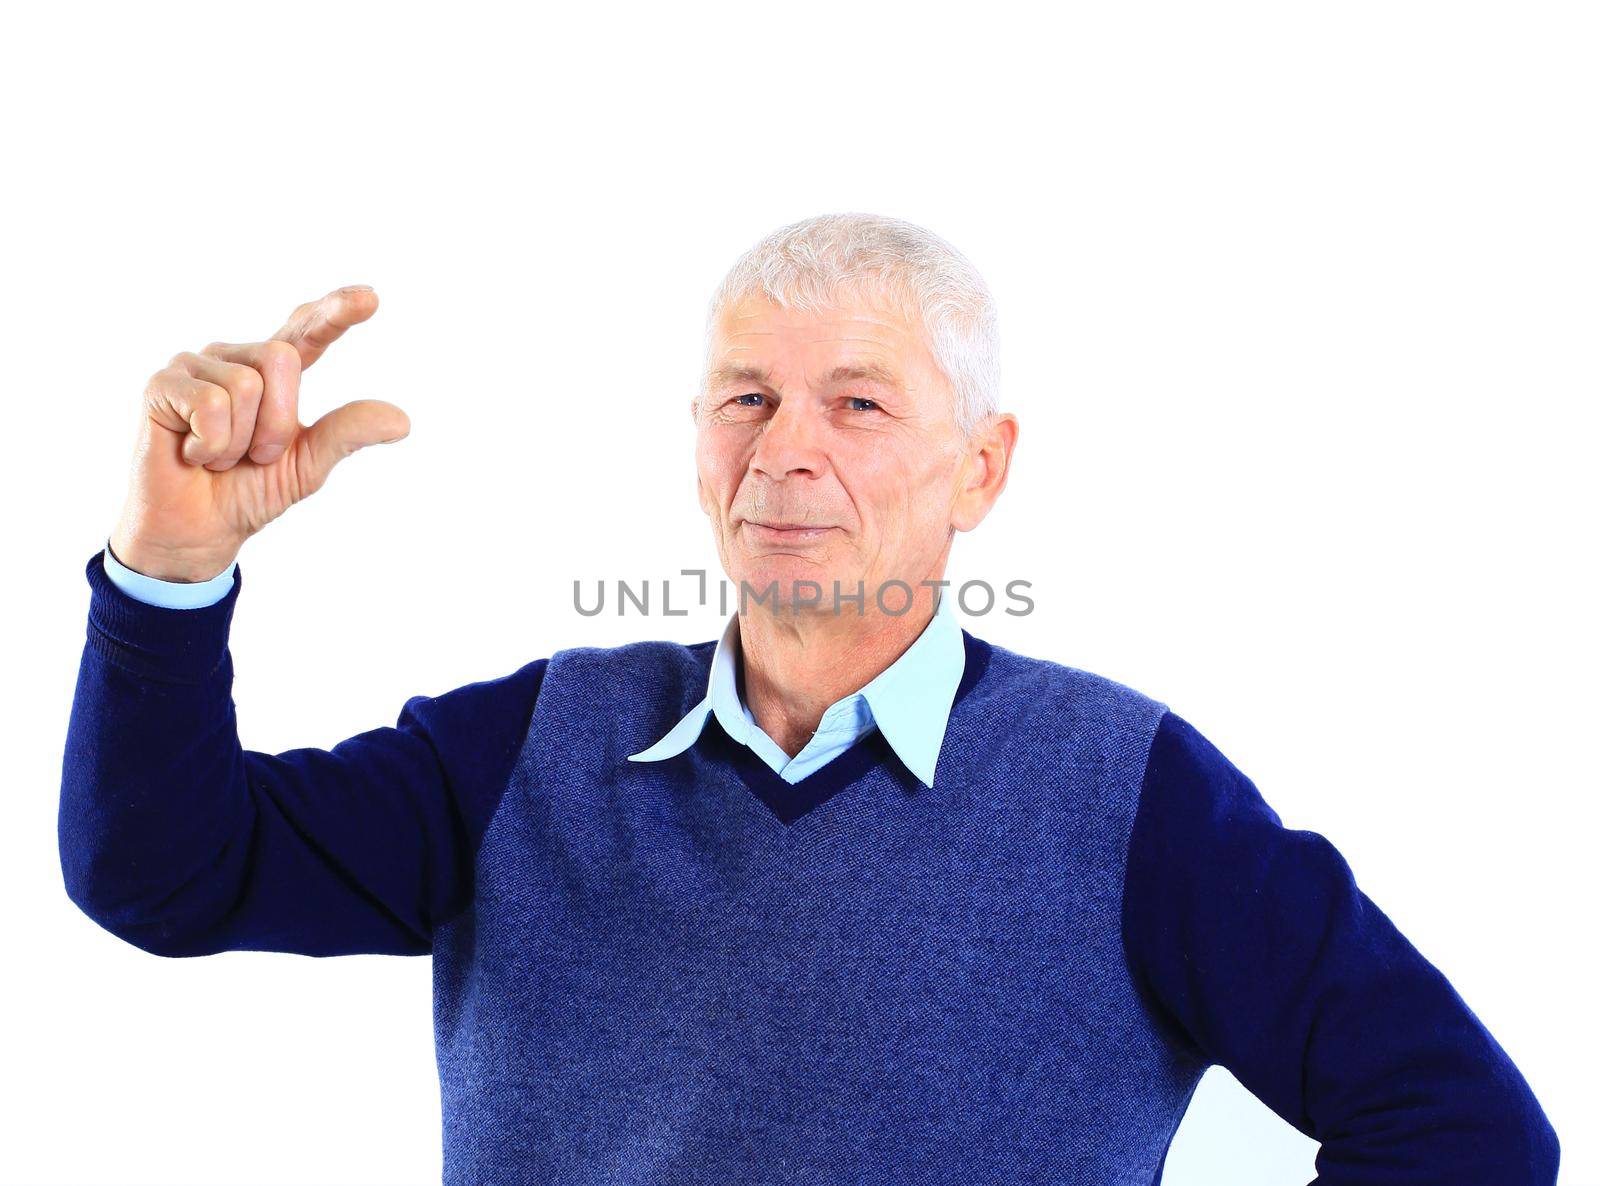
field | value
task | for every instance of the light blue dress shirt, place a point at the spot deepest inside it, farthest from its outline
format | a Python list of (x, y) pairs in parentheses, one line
[(909, 700), (168, 594)]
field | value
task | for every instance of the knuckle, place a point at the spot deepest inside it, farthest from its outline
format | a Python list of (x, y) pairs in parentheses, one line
[(182, 359), (280, 353), (247, 379), (213, 399)]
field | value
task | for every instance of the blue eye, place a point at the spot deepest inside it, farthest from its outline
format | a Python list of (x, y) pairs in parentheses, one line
[(861, 399), (748, 395)]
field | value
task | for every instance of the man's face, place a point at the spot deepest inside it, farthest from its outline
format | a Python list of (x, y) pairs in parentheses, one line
[(827, 451)]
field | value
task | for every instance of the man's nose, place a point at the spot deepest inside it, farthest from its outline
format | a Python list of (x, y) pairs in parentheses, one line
[(791, 444)]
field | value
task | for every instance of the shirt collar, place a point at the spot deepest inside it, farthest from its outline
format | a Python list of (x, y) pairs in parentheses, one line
[(909, 700)]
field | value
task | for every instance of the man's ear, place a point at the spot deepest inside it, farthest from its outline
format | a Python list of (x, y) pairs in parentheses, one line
[(987, 468)]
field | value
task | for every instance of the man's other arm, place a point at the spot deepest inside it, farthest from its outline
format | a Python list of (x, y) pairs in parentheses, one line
[(1255, 943), (181, 842)]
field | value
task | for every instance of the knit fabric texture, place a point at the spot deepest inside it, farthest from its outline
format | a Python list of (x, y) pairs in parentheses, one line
[(693, 970), (670, 972)]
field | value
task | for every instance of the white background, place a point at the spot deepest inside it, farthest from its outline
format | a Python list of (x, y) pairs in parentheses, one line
[(1299, 311)]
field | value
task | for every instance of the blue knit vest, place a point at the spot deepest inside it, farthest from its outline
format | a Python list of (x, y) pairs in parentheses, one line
[(688, 971)]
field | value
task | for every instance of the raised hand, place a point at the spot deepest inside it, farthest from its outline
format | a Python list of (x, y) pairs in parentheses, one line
[(222, 453)]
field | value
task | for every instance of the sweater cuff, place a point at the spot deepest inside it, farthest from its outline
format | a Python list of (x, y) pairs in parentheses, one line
[(176, 645)]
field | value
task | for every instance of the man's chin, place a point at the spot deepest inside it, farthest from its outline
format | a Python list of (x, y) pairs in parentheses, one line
[(798, 588)]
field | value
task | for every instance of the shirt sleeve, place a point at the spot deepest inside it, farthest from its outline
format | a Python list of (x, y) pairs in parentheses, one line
[(1254, 944), (169, 594), (180, 841)]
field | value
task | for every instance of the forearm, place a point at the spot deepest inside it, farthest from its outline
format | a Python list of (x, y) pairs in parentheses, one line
[(154, 805), (180, 841), (1255, 941)]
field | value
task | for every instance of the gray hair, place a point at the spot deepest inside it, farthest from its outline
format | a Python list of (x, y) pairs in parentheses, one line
[(807, 265)]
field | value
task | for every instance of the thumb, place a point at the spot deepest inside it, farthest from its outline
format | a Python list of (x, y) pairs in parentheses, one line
[(342, 431)]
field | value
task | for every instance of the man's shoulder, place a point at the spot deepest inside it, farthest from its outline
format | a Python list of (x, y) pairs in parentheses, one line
[(627, 667), (639, 652), (1055, 679), (1060, 695)]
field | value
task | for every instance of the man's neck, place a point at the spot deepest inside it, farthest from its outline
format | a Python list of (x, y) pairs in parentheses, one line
[(793, 666)]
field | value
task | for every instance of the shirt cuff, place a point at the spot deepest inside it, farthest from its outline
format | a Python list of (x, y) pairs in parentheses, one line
[(168, 594), (158, 642)]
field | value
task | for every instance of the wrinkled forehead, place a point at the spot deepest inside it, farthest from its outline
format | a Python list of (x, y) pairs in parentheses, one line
[(853, 334)]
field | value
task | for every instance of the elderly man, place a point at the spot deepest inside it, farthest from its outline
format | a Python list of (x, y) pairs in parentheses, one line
[(847, 895)]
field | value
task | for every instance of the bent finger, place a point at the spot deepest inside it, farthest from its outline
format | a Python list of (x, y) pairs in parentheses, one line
[(277, 415), (244, 385), (198, 410)]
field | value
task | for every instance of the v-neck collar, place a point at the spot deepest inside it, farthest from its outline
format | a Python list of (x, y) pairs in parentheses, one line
[(909, 702), (790, 802)]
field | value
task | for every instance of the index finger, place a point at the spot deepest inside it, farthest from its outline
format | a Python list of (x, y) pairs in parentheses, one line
[(316, 325)]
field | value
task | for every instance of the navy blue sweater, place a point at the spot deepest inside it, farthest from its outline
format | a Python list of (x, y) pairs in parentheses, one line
[(1249, 944)]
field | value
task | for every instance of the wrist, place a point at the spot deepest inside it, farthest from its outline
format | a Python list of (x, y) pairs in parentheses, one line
[(186, 566)]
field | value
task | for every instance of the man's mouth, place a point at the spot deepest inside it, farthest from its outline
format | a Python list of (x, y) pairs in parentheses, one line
[(786, 531)]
